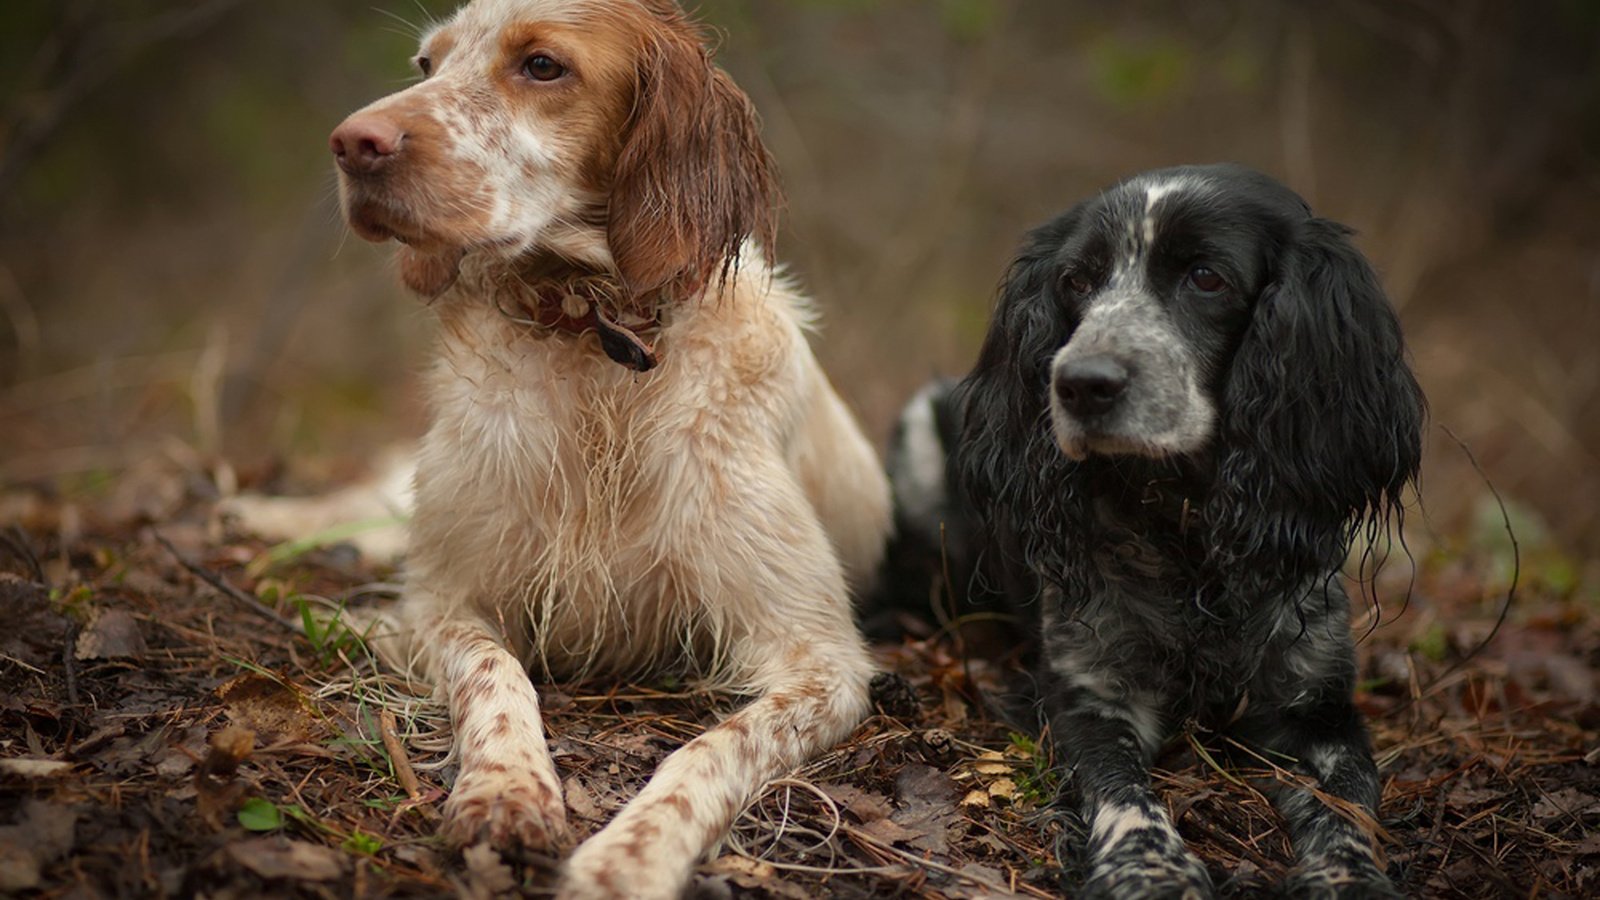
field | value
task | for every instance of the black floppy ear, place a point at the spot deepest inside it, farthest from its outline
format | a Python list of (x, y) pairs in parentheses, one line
[(1007, 465), (1322, 418), (1003, 400)]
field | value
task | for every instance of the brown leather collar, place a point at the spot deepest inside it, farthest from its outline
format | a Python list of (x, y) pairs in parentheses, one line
[(579, 306)]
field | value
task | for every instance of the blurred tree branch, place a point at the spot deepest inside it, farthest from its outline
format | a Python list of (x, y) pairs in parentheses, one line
[(85, 46)]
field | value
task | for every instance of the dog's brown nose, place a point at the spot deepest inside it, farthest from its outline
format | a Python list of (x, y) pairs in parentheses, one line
[(364, 144), (1091, 387)]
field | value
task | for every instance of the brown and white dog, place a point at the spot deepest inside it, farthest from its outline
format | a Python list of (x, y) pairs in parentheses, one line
[(635, 464)]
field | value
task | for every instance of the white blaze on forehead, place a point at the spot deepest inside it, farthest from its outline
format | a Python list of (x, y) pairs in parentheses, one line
[(509, 12), (1153, 194), (1142, 231), (527, 165), (478, 26)]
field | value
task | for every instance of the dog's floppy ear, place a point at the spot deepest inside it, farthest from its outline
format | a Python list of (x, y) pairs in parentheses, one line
[(693, 179), (1007, 464), (1322, 418), (1003, 400)]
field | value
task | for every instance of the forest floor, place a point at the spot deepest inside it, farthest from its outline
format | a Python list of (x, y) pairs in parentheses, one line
[(171, 726)]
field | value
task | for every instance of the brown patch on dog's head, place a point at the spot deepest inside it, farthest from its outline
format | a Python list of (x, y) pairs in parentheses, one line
[(693, 179), (589, 131)]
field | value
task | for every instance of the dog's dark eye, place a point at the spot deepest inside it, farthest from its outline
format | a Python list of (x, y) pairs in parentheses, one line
[(1078, 283), (542, 68), (425, 66), (1207, 281)]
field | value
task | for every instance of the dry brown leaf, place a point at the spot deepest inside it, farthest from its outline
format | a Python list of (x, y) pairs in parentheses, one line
[(1003, 789), (889, 831), (744, 866), (752, 875), (113, 634), (927, 799), (34, 768), (984, 884), (275, 857), (866, 806), (579, 801), (35, 630), (276, 709), (1566, 803)]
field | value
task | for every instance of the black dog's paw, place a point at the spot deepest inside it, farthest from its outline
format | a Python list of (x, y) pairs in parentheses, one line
[(894, 697), (1174, 875), (1344, 880)]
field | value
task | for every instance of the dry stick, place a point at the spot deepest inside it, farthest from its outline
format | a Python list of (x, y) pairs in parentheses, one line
[(397, 755), (69, 663), (1357, 815), (1250, 852), (917, 861), (1516, 566), (249, 601)]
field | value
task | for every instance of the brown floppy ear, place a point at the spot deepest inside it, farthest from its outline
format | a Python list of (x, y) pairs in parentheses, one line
[(693, 179)]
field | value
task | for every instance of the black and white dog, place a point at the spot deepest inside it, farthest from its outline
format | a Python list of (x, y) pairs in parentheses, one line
[(1192, 400)]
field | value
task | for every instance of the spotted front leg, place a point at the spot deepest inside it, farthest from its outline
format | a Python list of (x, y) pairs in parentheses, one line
[(1135, 851), (1324, 741), (648, 852), (1305, 720), (1107, 738), (507, 792)]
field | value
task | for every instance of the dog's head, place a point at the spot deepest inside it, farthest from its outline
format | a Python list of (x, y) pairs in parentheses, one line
[(1204, 313), (1156, 281), (597, 131)]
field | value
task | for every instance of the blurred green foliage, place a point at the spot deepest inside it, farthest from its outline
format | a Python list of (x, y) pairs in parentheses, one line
[(1131, 74), (1518, 544)]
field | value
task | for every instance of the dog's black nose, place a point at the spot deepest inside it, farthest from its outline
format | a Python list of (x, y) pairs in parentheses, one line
[(1091, 386)]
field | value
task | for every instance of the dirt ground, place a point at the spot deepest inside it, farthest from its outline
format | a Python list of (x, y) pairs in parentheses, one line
[(176, 719)]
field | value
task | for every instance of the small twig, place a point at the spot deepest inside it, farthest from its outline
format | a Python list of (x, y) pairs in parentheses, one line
[(69, 663), (397, 755), (250, 601), (1349, 810), (1206, 757), (919, 862), (7, 658), (1516, 566)]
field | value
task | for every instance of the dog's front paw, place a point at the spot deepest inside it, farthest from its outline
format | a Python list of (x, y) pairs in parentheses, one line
[(506, 810), (1350, 879), (1157, 874), (610, 866)]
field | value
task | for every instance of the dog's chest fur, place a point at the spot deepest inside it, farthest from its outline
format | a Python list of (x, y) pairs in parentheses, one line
[(1141, 600), (572, 500)]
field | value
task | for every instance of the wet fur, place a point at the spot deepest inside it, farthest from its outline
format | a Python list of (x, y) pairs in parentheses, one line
[(573, 516), (1180, 556)]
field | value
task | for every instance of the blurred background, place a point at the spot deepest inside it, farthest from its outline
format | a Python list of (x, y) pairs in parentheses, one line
[(176, 285)]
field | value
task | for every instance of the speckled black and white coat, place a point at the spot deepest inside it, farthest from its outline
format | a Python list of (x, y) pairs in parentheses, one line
[(1192, 399)]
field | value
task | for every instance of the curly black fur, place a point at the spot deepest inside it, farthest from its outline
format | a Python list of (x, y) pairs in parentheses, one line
[(1181, 551)]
